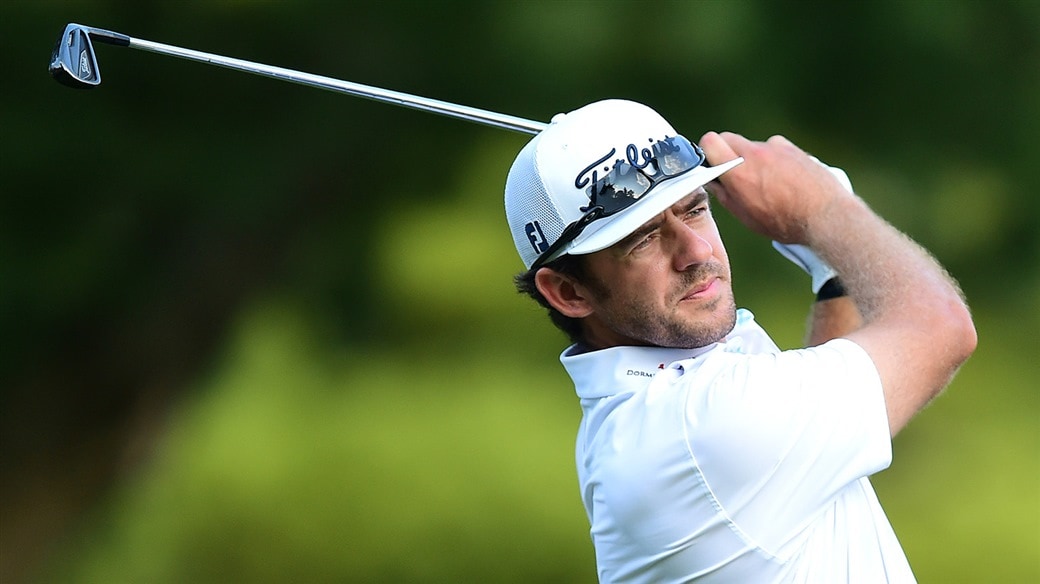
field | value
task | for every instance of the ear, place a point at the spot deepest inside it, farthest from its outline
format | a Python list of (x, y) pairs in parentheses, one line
[(563, 293)]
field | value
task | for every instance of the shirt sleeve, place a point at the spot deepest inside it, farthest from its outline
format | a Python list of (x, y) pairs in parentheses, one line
[(778, 436)]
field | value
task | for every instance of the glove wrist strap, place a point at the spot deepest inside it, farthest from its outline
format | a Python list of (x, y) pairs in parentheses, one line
[(831, 289)]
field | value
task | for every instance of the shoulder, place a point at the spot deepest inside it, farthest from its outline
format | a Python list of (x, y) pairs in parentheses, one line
[(839, 363), (771, 395)]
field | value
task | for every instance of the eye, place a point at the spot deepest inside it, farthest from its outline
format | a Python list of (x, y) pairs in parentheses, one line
[(697, 211), (644, 242)]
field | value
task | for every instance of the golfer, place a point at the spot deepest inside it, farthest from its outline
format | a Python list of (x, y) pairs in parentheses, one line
[(705, 453)]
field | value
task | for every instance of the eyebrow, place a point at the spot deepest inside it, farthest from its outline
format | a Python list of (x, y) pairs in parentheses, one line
[(654, 224)]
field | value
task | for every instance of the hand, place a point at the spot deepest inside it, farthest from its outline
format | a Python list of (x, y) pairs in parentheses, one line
[(779, 191), (805, 258), (837, 173)]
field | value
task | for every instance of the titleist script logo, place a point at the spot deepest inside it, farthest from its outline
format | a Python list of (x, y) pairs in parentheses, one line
[(635, 156), (84, 64)]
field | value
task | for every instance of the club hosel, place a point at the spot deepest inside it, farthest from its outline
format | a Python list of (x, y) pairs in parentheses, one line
[(107, 36)]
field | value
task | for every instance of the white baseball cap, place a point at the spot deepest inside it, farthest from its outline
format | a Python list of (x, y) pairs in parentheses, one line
[(602, 171)]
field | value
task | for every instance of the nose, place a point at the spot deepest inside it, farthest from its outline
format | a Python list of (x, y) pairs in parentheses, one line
[(690, 247)]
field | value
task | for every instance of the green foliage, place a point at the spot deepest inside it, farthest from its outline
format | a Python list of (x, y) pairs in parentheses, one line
[(301, 463)]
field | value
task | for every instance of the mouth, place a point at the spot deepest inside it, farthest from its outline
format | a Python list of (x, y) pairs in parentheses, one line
[(706, 289)]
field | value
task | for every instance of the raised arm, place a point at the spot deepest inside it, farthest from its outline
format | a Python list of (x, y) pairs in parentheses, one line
[(831, 319), (915, 325)]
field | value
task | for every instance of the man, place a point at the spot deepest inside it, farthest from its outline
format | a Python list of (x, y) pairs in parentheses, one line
[(705, 453)]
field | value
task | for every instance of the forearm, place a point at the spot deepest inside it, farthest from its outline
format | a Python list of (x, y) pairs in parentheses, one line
[(885, 274), (916, 326), (831, 319)]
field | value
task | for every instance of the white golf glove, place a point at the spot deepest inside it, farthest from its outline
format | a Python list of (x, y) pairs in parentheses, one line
[(805, 258)]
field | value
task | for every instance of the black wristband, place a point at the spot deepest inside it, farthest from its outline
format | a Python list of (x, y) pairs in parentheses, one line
[(831, 289)]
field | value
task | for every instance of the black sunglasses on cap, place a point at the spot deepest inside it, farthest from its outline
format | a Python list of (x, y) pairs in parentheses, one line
[(627, 182)]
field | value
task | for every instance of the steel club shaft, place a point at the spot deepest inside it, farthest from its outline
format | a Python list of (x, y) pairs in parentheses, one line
[(62, 70)]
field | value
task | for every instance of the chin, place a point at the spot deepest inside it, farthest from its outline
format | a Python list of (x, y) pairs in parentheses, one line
[(723, 320)]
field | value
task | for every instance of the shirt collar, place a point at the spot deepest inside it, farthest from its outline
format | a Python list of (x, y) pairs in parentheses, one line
[(606, 372), (614, 370)]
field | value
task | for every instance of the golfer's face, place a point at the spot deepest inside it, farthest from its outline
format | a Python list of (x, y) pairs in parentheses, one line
[(668, 284)]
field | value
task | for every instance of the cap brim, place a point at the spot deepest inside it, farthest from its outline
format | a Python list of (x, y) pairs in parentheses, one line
[(604, 233)]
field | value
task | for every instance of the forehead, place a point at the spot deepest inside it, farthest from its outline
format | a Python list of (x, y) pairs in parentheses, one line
[(698, 196)]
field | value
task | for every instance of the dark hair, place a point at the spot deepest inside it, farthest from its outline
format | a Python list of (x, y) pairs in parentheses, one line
[(568, 265)]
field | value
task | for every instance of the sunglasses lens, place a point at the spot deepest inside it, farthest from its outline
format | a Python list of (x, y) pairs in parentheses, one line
[(625, 186), (625, 183), (677, 155)]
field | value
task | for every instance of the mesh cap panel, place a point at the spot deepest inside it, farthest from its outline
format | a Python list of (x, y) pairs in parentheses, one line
[(533, 218)]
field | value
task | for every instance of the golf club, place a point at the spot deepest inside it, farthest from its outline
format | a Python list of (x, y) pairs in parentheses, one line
[(74, 63)]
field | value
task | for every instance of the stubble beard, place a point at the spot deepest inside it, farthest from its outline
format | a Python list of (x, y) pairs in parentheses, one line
[(709, 323)]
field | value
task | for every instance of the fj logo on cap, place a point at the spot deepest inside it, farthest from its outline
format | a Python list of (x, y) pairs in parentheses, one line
[(536, 237)]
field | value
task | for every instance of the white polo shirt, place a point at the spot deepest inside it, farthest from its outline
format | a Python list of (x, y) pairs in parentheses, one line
[(735, 463)]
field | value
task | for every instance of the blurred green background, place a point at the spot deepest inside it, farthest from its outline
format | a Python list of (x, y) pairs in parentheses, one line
[(257, 332)]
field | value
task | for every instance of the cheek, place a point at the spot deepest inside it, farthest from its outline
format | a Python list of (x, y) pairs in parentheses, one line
[(720, 252), (718, 247), (635, 288)]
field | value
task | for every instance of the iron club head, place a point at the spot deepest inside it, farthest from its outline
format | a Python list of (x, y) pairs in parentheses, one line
[(73, 62)]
